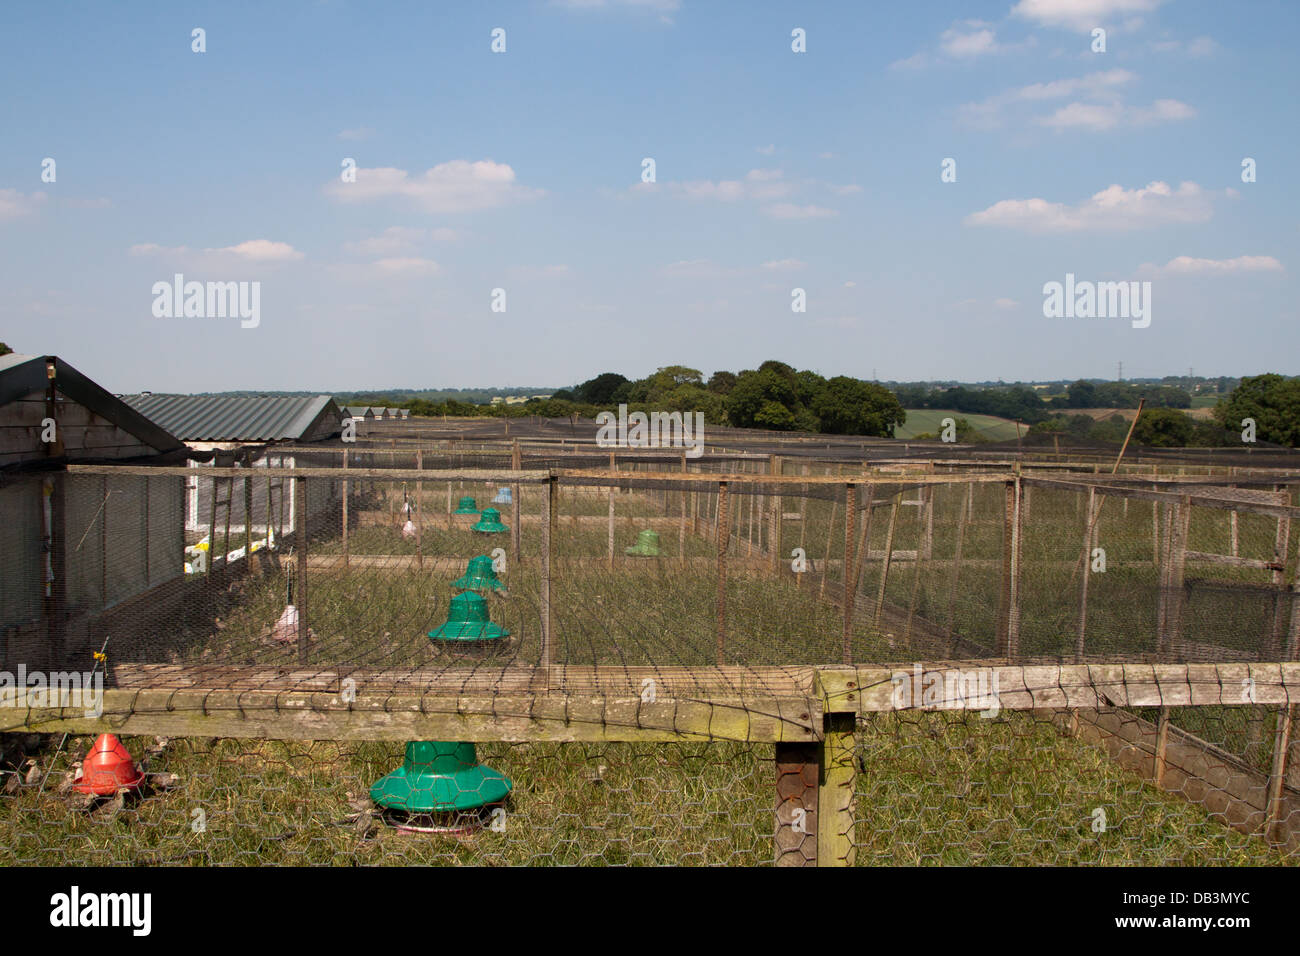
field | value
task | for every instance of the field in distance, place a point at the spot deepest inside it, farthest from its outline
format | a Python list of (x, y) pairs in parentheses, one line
[(921, 420)]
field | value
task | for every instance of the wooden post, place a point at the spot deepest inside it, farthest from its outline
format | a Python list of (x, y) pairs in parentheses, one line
[(723, 535), (516, 506), (1162, 748), (1009, 638), (956, 572), (798, 769), (548, 561), (830, 538), (837, 792), (300, 546), (681, 527), (1281, 542), (850, 575), (1274, 824), (774, 519), (888, 558), (212, 529), (1083, 584), (419, 511), (929, 522), (612, 469), (345, 511), (248, 520)]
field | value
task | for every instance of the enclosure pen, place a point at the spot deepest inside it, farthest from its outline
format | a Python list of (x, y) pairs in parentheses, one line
[(725, 659)]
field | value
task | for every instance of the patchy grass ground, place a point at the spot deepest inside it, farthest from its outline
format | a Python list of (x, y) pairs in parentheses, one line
[(934, 789)]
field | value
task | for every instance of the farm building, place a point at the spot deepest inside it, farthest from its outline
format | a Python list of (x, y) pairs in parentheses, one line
[(225, 422), (72, 544), (360, 413), (379, 413), (238, 429)]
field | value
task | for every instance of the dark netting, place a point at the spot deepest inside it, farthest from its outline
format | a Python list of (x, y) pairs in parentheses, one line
[(631, 634)]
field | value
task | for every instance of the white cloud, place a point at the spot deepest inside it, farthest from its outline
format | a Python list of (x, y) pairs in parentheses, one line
[(850, 284), (698, 269), (1083, 15), (558, 271), (1186, 265), (1100, 104), (14, 204), (261, 250), (406, 266), (251, 250), (451, 187), (767, 150), (1098, 116), (784, 265), (1112, 209), (963, 41), (787, 210), (1005, 303), (397, 239), (851, 189), (969, 38)]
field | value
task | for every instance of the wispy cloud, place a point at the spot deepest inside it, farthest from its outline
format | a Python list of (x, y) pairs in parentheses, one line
[(1112, 209), (1186, 265), (251, 250), (14, 204), (784, 265), (558, 271), (965, 40), (1104, 116), (397, 239), (453, 187), (785, 210), (1097, 104), (1084, 15)]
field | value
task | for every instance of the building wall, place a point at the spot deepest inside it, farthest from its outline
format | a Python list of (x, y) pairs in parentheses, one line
[(83, 433), (20, 552)]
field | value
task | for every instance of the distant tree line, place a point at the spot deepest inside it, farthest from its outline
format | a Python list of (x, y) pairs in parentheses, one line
[(1029, 405), (773, 396)]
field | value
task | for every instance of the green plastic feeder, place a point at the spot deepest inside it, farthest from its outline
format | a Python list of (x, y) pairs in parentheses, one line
[(467, 506), (479, 576), (490, 522), (647, 545), (468, 621), (438, 776)]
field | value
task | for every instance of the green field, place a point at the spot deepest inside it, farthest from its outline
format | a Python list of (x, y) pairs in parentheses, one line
[(921, 420)]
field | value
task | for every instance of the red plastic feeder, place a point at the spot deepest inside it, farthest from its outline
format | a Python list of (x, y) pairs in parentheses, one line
[(108, 768)]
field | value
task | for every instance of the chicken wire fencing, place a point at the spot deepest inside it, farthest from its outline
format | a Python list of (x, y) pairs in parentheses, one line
[(338, 605)]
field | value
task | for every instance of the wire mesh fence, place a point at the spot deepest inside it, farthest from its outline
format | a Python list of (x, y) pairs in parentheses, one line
[(336, 601)]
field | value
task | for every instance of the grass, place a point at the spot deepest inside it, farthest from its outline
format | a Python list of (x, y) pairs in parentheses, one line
[(944, 788), (939, 788), (930, 420)]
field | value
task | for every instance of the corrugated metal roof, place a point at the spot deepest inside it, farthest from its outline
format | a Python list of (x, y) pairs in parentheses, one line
[(232, 417), (357, 411)]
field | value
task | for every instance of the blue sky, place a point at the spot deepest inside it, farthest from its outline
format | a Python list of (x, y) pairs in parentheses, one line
[(522, 171)]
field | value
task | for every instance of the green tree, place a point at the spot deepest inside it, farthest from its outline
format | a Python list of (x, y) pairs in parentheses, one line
[(849, 406), (599, 390), (1163, 428), (1272, 401), (774, 415), (722, 382)]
